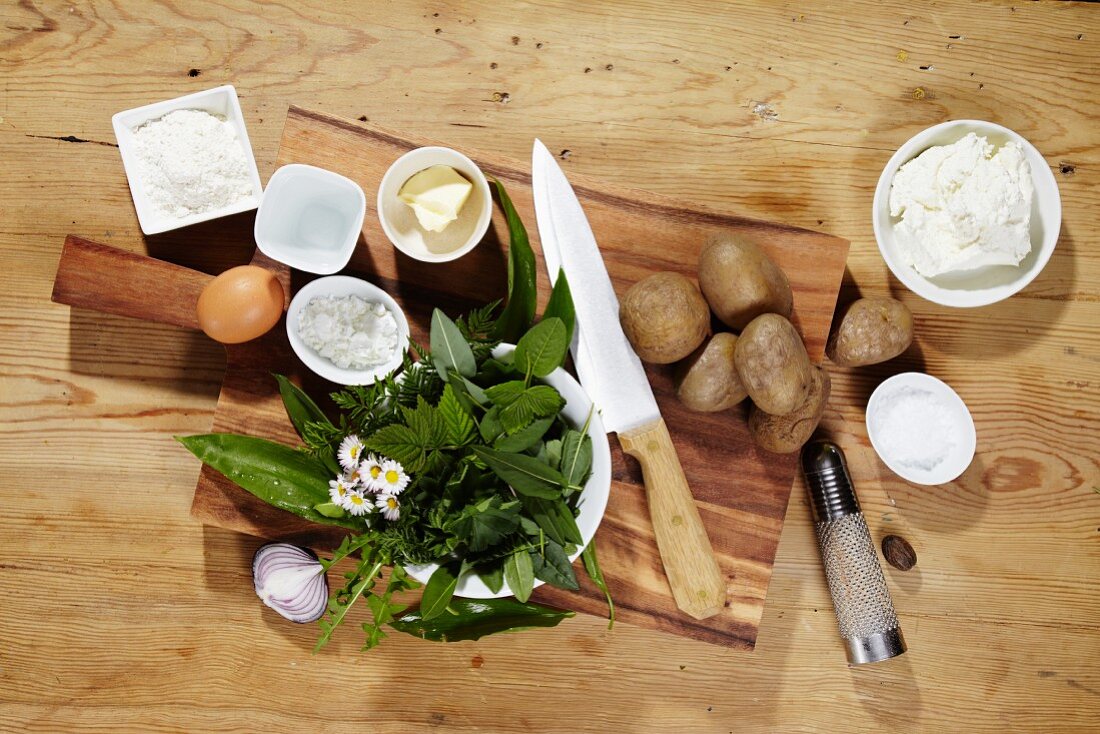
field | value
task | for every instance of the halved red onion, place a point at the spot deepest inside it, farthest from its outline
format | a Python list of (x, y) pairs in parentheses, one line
[(291, 581)]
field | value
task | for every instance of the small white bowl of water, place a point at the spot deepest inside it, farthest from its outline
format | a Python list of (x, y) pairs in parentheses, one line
[(310, 218)]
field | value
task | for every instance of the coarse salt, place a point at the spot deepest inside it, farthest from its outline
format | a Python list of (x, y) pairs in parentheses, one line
[(914, 428), (349, 331), (191, 162)]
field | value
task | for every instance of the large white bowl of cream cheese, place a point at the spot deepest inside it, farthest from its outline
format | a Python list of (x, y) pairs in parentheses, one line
[(985, 283)]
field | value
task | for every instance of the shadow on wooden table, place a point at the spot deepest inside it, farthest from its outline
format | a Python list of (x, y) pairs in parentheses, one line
[(889, 692), (138, 351), (211, 247)]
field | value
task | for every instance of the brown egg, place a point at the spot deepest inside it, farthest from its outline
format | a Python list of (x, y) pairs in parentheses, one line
[(241, 304)]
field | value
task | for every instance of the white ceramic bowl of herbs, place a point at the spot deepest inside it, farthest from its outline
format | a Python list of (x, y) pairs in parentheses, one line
[(579, 410)]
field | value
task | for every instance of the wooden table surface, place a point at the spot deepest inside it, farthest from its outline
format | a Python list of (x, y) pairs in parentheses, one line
[(119, 613)]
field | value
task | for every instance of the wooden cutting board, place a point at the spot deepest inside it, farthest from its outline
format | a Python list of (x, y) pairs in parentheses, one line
[(741, 491)]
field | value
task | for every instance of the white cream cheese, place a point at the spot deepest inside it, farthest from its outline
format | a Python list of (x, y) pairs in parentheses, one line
[(963, 206)]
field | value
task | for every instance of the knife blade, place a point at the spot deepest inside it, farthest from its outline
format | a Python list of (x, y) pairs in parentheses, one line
[(611, 373)]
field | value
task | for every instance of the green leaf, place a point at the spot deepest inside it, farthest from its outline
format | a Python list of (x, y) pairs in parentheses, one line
[(438, 593), (477, 325), (279, 475), (542, 349), (554, 518), (493, 578), (450, 350), (524, 438), (475, 392), (560, 306), (460, 424), (302, 411), (486, 523), (491, 427), (472, 619), (525, 474), (552, 566), (329, 509), (522, 284), (519, 405), (553, 453), (592, 568), (519, 573), (576, 457), (401, 444)]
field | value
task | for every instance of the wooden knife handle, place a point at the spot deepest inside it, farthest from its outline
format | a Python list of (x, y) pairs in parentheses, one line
[(103, 278), (693, 573)]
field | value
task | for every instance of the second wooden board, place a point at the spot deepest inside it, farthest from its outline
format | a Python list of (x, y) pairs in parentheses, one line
[(741, 491)]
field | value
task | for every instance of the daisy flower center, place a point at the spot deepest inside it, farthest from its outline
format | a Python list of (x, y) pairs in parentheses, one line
[(356, 499), (375, 471), (391, 503), (392, 476)]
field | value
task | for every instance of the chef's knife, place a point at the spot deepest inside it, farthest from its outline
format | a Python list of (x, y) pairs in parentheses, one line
[(614, 377)]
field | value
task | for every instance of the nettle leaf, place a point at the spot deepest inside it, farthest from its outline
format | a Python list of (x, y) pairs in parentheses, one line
[(486, 523), (542, 349), (525, 438), (450, 350), (554, 518), (519, 572), (506, 392), (401, 444), (525, 474), (460, 424), (552, 565), (576, 457)]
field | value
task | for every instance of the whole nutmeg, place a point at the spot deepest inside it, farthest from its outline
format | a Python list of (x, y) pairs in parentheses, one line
[(898, 553)]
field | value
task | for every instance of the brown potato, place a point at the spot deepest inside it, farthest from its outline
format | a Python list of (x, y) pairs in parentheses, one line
[(785, 434), (707, 381), (664, 317), (773, 365), (740, 282), (872, 330)]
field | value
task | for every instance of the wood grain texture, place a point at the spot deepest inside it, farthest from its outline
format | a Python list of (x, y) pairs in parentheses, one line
[(122, 614), (639, 569), (686, 552)]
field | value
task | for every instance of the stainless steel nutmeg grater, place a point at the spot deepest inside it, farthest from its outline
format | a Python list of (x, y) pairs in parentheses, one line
[(861, 600)]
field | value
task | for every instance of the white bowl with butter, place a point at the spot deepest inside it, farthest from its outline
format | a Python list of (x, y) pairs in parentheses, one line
[(406, 230), (989, 217)]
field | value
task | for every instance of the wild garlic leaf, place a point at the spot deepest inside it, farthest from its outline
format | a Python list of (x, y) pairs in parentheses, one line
[(450, 350), (524, 438), (560, 305), (576, 457), (519, 309), (525, 474), (519, 573), (542, 349), (592, 567), (460, 424), (472, 619), (490, 426), (552, 565), (438, 592)]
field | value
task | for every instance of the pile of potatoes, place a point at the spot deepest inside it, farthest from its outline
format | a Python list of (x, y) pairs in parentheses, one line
[(667, 319)]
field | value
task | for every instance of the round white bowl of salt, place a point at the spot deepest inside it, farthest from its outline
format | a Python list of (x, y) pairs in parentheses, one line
[(921, 428), (347, 330)]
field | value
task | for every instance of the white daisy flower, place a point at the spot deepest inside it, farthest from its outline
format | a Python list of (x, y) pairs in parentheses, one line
[(371, 471), (357, 503), (338, 489), (393, 478), (351, 450), (355, 477), (389, 506)]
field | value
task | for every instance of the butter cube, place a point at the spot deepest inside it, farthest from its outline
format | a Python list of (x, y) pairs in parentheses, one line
[(436, 196)]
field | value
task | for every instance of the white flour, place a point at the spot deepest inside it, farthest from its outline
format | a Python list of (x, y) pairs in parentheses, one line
[(191, 162)]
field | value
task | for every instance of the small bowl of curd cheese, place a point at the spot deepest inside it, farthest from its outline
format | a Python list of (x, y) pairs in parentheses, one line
[(966, 213), (347, 330)]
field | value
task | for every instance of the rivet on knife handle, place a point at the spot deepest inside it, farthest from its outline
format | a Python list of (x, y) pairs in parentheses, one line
[(693, 573)]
